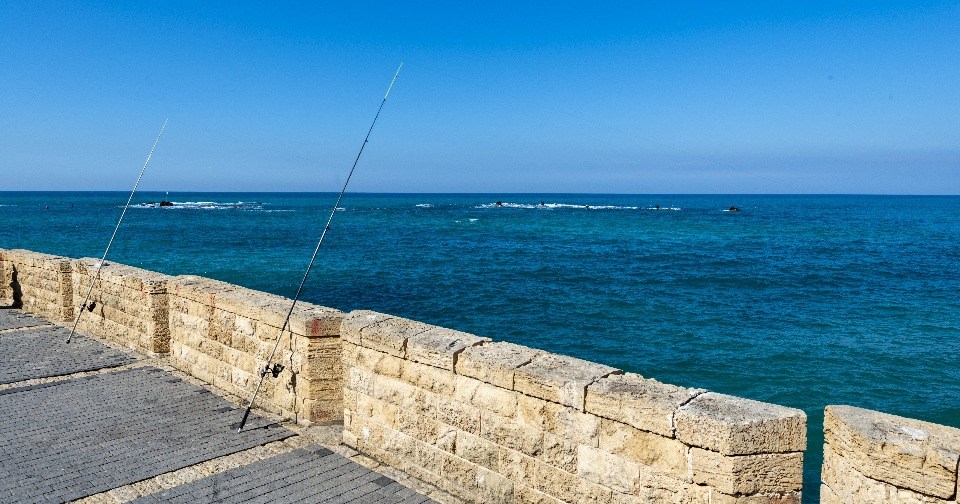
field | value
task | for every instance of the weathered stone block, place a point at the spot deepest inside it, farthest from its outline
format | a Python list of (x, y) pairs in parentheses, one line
[(737, 426), (494, 363), (390, 334), (653, 450), (428, 378), (458, 414), (609, 470), (439, 346), (903, 452), (510, 434), (559, 378), (570, 423), (645, 404), (560, 452), (486, 396), (356, 321), (747, 474), (478, 450)]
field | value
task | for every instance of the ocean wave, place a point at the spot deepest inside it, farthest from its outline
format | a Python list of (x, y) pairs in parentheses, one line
[(664, 208), (551, 206), (424, 205), (204, 205)]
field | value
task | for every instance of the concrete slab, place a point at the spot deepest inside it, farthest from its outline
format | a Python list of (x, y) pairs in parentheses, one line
[(41, 352), (70, 439)]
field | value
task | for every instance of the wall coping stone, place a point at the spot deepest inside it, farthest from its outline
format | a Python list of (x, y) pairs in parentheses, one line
[(560, 378), (307, 319), (907, 453), (440, 346), (495, 363), (642, 403), (737, 426)]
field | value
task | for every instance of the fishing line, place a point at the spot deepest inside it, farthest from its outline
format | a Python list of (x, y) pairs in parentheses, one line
[(276, 368), (83, 307)]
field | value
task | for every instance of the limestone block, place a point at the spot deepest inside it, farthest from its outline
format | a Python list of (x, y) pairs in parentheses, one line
[(517, 466), (393, 391), (458, 414), (571, 424), (560, 452), (485, 396), (429, 378), (480, 484), (559, 378), (654, 487), (571, 487), (494, 363), (747, 474), (526, 495), (390, 335), (737, 426), (785, 498), (356, 321), (906, 453), (315, 321), (511, 434), (378, 362), (478, 450), (429, 459), (645, 404), (653, 450), (439, 346)]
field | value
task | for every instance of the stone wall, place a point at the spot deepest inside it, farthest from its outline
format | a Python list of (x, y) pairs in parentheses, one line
[(500, 423), (879, 458), (221, 333), (38, 283), (129, 305)]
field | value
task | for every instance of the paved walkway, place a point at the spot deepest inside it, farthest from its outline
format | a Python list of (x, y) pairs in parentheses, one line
[(310, 475), (40, 352), (80, 436)]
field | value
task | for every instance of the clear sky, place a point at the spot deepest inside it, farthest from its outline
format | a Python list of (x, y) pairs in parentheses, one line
[(665, 97)]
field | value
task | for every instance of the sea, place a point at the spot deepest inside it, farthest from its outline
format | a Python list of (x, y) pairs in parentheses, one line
[(802, 301)]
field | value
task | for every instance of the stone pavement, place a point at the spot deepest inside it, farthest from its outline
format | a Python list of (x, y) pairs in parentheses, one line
[(69, 439), (311, 475), (103, 434), (40, 352), (16, 319)]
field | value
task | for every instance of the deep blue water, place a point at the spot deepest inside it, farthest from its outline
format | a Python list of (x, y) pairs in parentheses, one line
[(797, 300)]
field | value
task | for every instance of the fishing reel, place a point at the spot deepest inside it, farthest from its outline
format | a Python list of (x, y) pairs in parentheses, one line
[(275, 370)]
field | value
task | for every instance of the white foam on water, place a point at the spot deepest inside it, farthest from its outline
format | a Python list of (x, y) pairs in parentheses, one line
[(204, 205), (674, 209), (474, 220), (550, 206), (424, 205)]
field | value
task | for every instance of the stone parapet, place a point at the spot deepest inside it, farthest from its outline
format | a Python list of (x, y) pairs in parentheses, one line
[(880, 458), (501, 423), (127, 305), (222, 333), (37, 283)]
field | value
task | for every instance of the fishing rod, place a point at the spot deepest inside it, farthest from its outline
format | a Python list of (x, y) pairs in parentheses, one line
[(84, 307), (276, 368)]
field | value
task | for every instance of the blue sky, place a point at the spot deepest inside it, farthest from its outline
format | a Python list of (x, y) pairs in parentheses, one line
[(665, 97)]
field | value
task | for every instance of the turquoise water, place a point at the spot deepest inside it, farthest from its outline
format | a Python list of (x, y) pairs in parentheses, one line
[(798, 300)]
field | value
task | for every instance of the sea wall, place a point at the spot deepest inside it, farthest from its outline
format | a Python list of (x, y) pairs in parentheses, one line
[(217, 332), (879, 458), (500, 423), (38, 283), (127, 305), (221, 333)]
